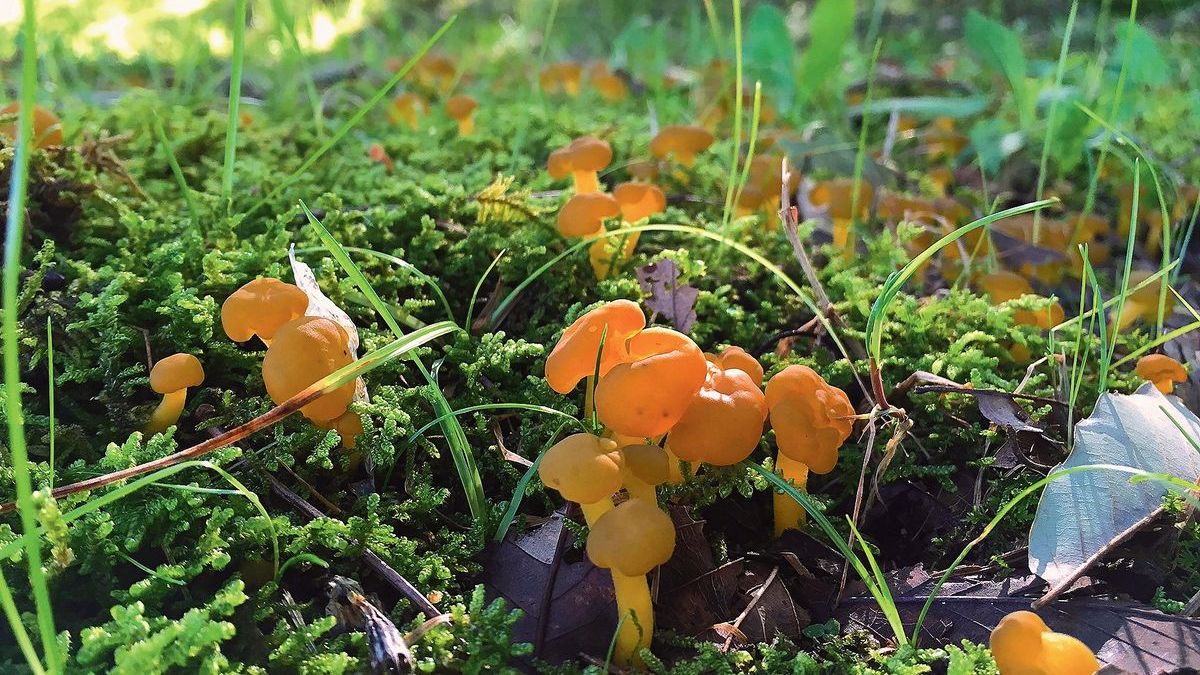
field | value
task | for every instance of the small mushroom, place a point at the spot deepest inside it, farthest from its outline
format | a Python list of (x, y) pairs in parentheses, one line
[(1162, 370), (837, 197), (1002, 286), (47, 128), (943, 140), (584, 214), (574, 356), (608, 84), (646, 466), (736, 357), (647, 395), (723, 423), (630, 541), (436, 71), (304, 351), (260, 307), (562, 77), (637, 201), (811, 419), (585, 469), (1141, 304), (171, 377), (461, 108), (582, 159), (409, 108), (683, 142), (1023, 644)]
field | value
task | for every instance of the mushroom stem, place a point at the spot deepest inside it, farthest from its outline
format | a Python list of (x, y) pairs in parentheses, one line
[(640, 489), (593, 511), (788, 512), (586, 181), (635, 618), (466, 126), (841, 237), (674, 470), (167, 412)]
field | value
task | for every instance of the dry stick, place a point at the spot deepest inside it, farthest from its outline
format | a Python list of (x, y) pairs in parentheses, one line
[(373, 561), (1062, 586), (750, 605), (858, 500), (234, 435)]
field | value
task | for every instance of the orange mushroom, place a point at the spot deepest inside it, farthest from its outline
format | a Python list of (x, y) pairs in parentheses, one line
[(584, 214), (302, 352), (260, 307), (348, 425), (724, 422), (171, 377), (582, 158), (1162, 370), (649, 394), (608, 84), (1023, 644), (585, 469), (561, 78), (461, 108), (574, 356), (409, 108), (942, 140), (837, 196), (437, 72), (736, 357), (637, 201), (47, 128), (811, 419), (683, 142), (1141, 304), (646, 466)]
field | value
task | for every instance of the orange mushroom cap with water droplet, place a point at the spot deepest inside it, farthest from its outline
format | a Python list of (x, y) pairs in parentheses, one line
[(574, 357), (647, 395), (584, 468), (639, 200), (736, 357), (632, 539), (584, 214), (260, 307), (1162, 370), (47, 128), (724, 421), (811, 418), (1022, 644), (304, 351), (683, 142)]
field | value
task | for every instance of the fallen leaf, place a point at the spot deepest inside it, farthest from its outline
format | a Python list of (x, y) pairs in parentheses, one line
[(1081, 513), (322, 306), (668, 298)]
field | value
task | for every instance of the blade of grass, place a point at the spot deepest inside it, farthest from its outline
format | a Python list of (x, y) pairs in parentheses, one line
[(1052, 117), (744, 177), (514, 503), (177, 172), (20, 635), (235, 95), (14, 239), (286, 24), (357, 117), (50, 384), (428, 280), (460, 446), (860, 154), (478, 285), (731, 179), (1105, 350)]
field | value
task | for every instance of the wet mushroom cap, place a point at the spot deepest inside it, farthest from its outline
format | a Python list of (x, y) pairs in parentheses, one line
[(639, 200), (584, 468), (461, 106), (304, 351), (175, 372), (584, 214), (646, 396), (260, 307), (724, 421), (47, 128), (811, 418), (632, 539), (736, 357), (574, 356), (684, 141), (1023, 643), (1162, 370)]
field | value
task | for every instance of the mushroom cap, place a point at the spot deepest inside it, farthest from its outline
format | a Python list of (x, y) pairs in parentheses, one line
[(586, 153), (736, 357), (558, 164), (648, 463), (647, 395), (632, 539), (1162, 370), (574, 357), (1045, 319), (610, 85), (838, 196), (564, 71), (348, 426), (1002, 286), (679, 138), (639, 200), (584, 213), (584, 468), (303, 351), (1022, 643), (810, 417), (724, 422), (47, 128), (175, 372), (260, 307), (460, 106)]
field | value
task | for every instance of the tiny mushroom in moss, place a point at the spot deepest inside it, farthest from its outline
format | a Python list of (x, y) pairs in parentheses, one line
[(461, 108), (260, 307), (811, 419), (646, 396), (171, 377), (837, 196), (1142, 303), (637, 201), (304, 351), (348, 425), (585, 469), (436, 71), (608, 84), (683, 142), (724, 421), (1023, 644), (582, 159), (1162, 370), (409, 108), (47, 128), (584, 214), (630, 541), (561, 77)]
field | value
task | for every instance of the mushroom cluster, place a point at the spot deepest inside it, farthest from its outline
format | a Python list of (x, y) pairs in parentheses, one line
[(1023, 644)]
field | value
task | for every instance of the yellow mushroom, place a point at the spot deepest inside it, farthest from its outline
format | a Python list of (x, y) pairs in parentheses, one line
[(462, 109), (1162, 370), (259, 308), (171, 377)]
